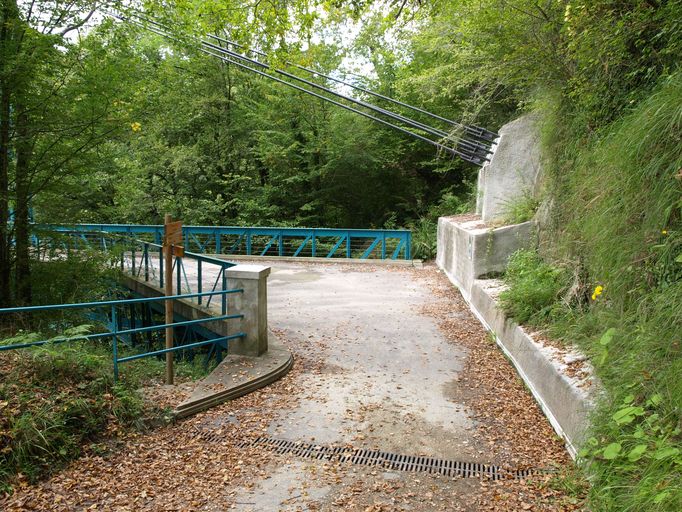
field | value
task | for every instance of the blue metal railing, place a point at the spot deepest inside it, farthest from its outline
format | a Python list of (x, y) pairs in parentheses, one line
[(151, 260), (141, 259), (269, 241), (115, 333)]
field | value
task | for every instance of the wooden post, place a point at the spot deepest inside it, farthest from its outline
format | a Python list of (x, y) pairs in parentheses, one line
[(168, 282)]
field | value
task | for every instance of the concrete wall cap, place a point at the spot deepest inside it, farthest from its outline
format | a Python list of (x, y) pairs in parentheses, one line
[(248, 272)]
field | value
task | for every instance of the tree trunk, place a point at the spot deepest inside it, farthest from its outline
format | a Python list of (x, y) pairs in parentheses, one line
[(5, 36), (4, 198), (22, 266)]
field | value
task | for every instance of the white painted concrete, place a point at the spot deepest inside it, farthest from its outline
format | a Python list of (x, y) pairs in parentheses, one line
[(566, 401), (466, 253), (468, 250)]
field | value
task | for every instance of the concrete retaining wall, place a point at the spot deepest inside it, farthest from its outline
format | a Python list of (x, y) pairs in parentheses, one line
[(565, 400), (466, 252), (513, 171)]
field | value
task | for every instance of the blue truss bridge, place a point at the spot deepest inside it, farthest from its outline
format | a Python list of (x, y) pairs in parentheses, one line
[(249, 241)]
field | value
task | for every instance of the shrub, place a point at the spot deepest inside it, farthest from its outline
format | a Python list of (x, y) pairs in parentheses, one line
[(534, 287), (53, 400), (424, 238)]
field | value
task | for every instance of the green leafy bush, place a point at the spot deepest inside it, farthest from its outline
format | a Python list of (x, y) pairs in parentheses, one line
[(534, 287), (53, 400), (424, 238), (425, 229)]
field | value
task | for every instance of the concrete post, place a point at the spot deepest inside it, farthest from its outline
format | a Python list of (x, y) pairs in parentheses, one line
[(253, 304)]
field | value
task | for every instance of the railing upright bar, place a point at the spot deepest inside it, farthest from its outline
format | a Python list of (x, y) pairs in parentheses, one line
[(161, 258), (184, 273), (199, 277), (178, 275), (114, 321), (224, 302), (146, 262)]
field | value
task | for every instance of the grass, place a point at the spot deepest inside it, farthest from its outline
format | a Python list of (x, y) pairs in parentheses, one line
[(617, 219), (55, 399), (534, 287), (58, 401), (520, 210)]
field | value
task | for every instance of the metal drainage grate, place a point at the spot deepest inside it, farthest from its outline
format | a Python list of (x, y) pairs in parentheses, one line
[(390, 461), (212, 436)]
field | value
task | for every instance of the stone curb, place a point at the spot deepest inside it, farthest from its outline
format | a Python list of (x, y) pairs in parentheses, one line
[(566, 405), (284, 362)]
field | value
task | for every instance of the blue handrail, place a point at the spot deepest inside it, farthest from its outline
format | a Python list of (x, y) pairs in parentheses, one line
[(115, 333), (269, 241)]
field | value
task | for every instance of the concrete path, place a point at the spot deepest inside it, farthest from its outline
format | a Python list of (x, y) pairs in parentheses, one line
[(379, 375), (385, 358), (384, 365)]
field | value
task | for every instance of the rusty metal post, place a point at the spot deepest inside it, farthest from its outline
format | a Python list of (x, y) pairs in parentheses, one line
[(168, 282)]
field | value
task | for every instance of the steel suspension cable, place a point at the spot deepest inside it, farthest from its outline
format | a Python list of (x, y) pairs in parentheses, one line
[(474, 130), (476, 148), (475, 152)]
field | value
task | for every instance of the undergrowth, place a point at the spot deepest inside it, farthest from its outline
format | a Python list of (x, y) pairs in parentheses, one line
[(54, 401), (59, 400), (425, 229), (521, 209), (534, 287)]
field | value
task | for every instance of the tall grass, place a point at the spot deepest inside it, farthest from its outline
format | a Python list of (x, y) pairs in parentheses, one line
[(618, 219)]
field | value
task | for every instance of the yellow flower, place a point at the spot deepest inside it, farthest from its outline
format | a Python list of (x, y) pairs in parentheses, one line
[(664, 232), (136, 127), (597, 292)]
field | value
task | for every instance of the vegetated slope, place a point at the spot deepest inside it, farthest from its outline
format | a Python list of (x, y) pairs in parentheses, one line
[(617, 232)]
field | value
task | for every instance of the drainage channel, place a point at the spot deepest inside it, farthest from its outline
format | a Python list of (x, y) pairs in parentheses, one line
[(386, 460)]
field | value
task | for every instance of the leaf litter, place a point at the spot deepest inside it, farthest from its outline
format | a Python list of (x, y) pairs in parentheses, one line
[(173, 468)]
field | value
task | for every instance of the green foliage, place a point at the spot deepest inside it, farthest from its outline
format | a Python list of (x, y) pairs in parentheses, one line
[(623, 221), (54, 399), (647, 451), (424, 238), (425, 229), (617, 212), (79, 276), (59, 400), (534, 287), (521, 210), (216, 145)]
